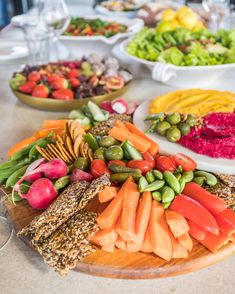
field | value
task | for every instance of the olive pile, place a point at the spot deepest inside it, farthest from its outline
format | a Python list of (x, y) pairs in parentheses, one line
[(172, 125), (109, 149)]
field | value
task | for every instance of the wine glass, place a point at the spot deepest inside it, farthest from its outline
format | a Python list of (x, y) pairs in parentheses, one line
[(6, 230), (54, 14), (220, 13)]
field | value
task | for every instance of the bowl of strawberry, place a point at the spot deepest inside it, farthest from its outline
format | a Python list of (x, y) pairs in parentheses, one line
[(67, 85)]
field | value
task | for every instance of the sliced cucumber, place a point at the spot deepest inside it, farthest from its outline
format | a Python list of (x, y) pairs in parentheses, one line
[(131, 150), (96, 112)]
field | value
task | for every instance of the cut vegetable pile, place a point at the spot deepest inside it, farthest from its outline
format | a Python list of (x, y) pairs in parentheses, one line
[(145, 201)]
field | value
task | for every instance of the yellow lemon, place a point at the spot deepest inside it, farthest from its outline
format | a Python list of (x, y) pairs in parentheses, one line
[(182, 11), (198, 26), (189, 20), (168, 15), (164, 26), (175, 24)]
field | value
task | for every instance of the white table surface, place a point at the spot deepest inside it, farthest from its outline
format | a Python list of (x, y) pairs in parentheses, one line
[(22, 270)]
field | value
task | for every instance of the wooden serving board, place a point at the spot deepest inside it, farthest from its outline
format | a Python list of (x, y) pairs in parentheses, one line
[(123, 264)]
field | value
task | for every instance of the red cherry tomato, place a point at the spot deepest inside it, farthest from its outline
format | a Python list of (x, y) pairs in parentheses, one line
[(143, 165), (98, 168), (149, 157), (117, 162), (187, 163), (164, 163)]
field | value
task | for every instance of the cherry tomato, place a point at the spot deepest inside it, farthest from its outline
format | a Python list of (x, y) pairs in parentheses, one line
[(118, 162), (98, 168), (187, 163), (149, 157), (143, 165), (164, 163)]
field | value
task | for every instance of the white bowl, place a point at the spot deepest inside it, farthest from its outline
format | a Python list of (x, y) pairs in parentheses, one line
[(101, 44), (181, 76)]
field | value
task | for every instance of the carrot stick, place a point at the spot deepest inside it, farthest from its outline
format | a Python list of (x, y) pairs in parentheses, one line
[(142, 220), (178, 251), (121, 125), (177, 223), (147, 245), (108, 248), (54, 123), (120, 243), (159, 232), (105, 237), (154, 148), (109, 216), (186, 242), (108, 194), (122, 135), (20, 145), (128, 217), (44, 132)]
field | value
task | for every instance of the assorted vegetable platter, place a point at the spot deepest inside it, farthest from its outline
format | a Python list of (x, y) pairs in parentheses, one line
[(145, 198)]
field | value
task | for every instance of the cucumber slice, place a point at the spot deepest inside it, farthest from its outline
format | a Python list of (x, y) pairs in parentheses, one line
[(131, 150), (96, 112)]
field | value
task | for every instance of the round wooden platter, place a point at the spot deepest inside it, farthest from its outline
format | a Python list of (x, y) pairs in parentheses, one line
[(123, 264)]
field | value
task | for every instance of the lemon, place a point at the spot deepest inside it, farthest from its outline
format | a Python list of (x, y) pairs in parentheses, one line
[(189, 20), (182, 11), (198, 26), (164, 26), (168, 15), (175, 24)]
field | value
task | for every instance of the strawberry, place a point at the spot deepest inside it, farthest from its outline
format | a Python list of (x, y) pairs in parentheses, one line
[(74, 73), (52, 77), (63, 94), (34, 76), (27, 87), (59, 84), (41, 91), (74, 83)]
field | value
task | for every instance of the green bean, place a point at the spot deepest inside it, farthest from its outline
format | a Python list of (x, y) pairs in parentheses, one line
[(172, 181), (13, 178), (33, 152), (210, 179), (6, 173), (156, 116)]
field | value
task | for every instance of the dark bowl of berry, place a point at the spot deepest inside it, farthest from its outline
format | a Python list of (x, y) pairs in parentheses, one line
[(67, 85)]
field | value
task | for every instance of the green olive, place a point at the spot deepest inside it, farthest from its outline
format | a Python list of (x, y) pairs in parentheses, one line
[(99, 153), (81, 163), (191, 120), (114, 152), (184, 128), (173, 134), (107, 141), (174, 118), (162, 127)]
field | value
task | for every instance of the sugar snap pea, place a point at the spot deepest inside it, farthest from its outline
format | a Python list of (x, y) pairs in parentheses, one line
[(210, 179), (199, 180), (187, 176), (13, 178), (166, 204), (121, 177), (142, 184), (150, 177), (156, 185), (62, 182), (158, 174), (167, 193), (182, 184), (6, 173), (172, 181), (157, 195)]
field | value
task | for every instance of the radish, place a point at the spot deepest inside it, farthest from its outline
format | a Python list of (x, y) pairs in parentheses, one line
[(107, 105), (79, 175), (41, 194), (33, 177), (119, 106), (131, 107)]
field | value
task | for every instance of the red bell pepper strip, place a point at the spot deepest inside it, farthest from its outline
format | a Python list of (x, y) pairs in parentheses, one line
[(197, 213), (214, 243), (195, 231), (225, 225), (210, 201), (229, 215)]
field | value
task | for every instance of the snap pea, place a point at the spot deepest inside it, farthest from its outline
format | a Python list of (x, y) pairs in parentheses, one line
[(150, 177), (142, 184), (172, 181), (167, 193), (158, 174), (23, 152), (210, 179), (121, 177), (8, 164), (115, 168), (187, 176), (13, 178), (157, 196), (156, 116), (182, 184), (199, 180), (6, 173), (62, 182), (33, 152), (178, 176), (92, 142), (152, 128), (166, 204), (156, 185)]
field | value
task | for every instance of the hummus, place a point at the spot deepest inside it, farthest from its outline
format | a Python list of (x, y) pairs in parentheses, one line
[(194, 101), (215, 138)]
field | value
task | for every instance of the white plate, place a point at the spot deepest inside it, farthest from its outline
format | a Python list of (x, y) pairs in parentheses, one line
[(134, 25), (12, 50), (206, 163), (181, 76)]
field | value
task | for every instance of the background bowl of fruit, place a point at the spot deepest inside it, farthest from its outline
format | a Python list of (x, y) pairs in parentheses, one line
[(101, 32), (67, 85)]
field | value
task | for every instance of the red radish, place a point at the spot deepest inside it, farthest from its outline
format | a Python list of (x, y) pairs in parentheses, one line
[(33, 177), (107, 105), (41, 194), (80, 175), (119, 106), (131, 107)]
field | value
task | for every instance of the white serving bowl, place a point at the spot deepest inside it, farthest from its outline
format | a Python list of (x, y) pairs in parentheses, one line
[(181, 76), (100, 44)]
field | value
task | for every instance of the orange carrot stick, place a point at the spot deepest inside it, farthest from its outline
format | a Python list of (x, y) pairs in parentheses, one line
[(109, 216), (122, 135), (121, 125), (177, 223), (108, 248), (108, 194), (159, 232), (44, 132), (154, 148), (120, 243), (147, 245), (105, 237), (178, 251), (20, 145), (186, 241), (142, 220), (55, 123)]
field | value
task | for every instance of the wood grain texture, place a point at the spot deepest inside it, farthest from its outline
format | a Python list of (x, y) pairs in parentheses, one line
[(127, 265)]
